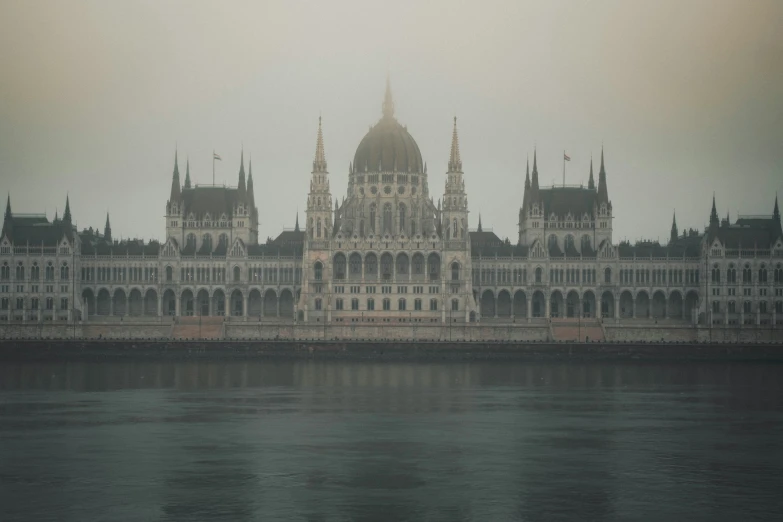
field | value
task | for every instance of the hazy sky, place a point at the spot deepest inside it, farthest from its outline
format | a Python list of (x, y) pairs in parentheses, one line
[(686, 95)]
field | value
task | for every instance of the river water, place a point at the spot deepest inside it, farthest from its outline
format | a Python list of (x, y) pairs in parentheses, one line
[(390, 441)]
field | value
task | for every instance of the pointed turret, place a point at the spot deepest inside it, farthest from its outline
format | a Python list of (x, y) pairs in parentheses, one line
[(388, 102), (591, 181), (603, 191), (8, 216), (241, 186), (479, 224), (319, 162), (176, 189), (714, 221), (296, 226), (56, 216), (187, 173), (673, 235), (534, 185), (107, 229), (776, 211), (67, 214), (251, 197), (455, 163)]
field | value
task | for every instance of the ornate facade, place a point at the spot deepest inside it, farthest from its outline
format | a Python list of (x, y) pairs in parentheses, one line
[(389, 252)]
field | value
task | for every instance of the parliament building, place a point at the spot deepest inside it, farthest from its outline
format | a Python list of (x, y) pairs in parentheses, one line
[(392, 252)]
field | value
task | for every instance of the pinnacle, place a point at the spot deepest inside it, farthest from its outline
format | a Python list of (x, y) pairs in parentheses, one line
[(455, 163), (319, 163), (388, 102)]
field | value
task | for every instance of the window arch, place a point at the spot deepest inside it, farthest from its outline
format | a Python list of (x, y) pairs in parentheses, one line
[(747, 274), (35, 272), (318, 271), (433, 266), (778, 274), (455, 271), (49, 271), (190, 241), (401, 304), (223, 241), (551, 242), (318, 228), (763, 274), (539, 274), (237, 274), (586, 245), (5, 271), (715, 274), (402, 210), (206, 242), (20, 272), (569, 242), (339, 265), (387, 217), (64, 272), (169, 274), (731, 274), (607, 275), (371, 304), (372, 217)]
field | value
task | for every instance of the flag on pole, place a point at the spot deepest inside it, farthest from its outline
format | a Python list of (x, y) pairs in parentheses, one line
[(216, 156), (566, 157)]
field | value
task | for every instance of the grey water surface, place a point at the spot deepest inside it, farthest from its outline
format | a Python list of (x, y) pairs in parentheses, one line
[(320, 441)]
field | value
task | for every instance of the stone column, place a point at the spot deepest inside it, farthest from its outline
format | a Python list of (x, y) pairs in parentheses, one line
[(177, 305), (547, 310), (529, 309)]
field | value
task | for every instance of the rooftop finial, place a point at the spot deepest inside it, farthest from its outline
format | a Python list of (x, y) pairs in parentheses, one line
[(187, 173), (67, 213), (388, 103), (296, 226), (591, 181), (479, 224)]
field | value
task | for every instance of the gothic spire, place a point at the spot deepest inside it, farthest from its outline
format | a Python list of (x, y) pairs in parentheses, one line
[(319, 163), (67, 214), (673, 235), (776, 216), (7, 219), (296, 226), (591, 181), (455, 163), (187, 173), (176, 190), (535, 172), (527, 174), (8, 206), (603, 191), (107, 229), (251, 198), (388, 102), (242, 188), (56, 216), (479, 224), (714, 222)]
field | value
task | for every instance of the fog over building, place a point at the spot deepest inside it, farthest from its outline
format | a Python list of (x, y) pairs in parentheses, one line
[(394, 250)]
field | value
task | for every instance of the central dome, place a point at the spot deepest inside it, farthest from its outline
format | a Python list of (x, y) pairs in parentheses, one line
[(388, 146)]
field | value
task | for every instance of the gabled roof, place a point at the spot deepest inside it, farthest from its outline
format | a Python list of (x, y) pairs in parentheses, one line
[(488, 244), (213, 200)]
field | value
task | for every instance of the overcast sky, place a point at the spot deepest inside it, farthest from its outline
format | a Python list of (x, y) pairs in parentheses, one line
[(685, 95)]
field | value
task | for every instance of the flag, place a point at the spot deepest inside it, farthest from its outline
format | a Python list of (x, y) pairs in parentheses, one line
[(566, 157), (216, 156)]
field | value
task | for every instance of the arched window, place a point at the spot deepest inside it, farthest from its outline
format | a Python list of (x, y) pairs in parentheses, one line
[(455, 305), (763, 274), (455, 271), (371, 304), (64, 272), (49, 271), (731, 274), (206, 242), (779, 274), (401, 304), (418, 264), (312, 229), (386, 265), (569, 242), (607, 275), (237, 274), (5, 271), (356, 266), (539, 274), (339, 266), (223, 241), (433, 266), (372, 217), (413, 227), (20, 272), (318, 228), (319, 270), (190, 241), (552, 242), (747, 274), (169, 274), (455, 228), (35, 272), (361, 228), (387, 218), (585, 243), (715, 274), (387, 304), (402, 218)]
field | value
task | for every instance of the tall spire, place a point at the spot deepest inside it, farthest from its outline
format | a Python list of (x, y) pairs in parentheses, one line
[(67, 214), (251, 197), (8, 206), (241, 186), (776, 216), (673, 235), (479, 224), (176, 190), (187, 173), (107, 229), (7, 219), (296, 226), (535, 172), (455, 163), (388, 102), (714, 222), (603, 191), (319, 162), (591, 181)]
